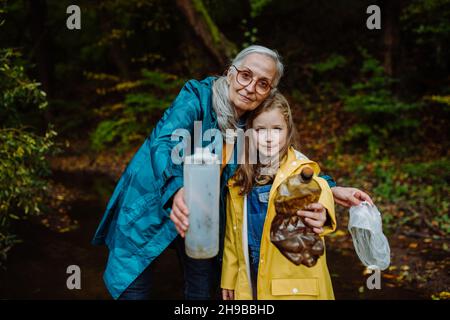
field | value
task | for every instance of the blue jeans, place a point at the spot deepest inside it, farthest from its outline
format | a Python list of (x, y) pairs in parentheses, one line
[(257, 202), (254, 264), (201, 278), (140, 288)]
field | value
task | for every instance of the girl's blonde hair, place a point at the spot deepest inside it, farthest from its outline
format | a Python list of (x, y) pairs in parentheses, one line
[(248, 174)]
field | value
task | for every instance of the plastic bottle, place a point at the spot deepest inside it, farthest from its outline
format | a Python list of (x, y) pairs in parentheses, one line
[(295, 239), (201, 183)]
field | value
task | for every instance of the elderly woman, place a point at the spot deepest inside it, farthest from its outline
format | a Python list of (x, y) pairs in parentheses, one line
[(147, 210)]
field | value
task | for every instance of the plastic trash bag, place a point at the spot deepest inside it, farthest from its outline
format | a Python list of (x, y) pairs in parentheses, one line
[(288, 232), (371, 245)]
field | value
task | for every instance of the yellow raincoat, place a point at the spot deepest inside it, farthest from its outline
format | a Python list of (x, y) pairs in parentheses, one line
[(278, 278)]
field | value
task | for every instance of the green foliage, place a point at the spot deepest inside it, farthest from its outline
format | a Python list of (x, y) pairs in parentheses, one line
[(425, 33), (249, 29), (18, 96), (109, 131), (257, 6), (23, 169), (333, 62), (23, 152), (433, 172), (413, 193), (250, 34), (380, 116), (421, 189), (2, 11), (325, 79), (445, 100), (128, 121), (160, 80), (428, 20)]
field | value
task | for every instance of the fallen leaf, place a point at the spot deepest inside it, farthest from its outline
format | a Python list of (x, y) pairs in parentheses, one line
[(392, 268), (367, 271), (413, 245), (443, 295)]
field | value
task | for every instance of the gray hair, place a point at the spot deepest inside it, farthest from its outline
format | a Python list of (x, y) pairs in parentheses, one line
[(226, 113)]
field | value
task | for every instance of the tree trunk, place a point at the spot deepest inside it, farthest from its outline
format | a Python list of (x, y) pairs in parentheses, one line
[(41, 52), (215, 42), (117, 55)]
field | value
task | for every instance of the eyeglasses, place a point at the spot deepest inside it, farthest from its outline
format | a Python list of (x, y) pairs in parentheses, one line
[(245, 78)]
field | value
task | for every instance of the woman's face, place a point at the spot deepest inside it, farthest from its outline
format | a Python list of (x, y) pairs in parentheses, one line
[(246, 98), (270, 132)]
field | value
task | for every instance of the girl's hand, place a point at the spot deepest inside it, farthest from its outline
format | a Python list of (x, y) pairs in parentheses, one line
[(179, 213), (315, 217), (227, 294), (347, 197)]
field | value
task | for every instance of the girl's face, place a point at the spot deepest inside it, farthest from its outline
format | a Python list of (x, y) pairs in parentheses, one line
[(246, 98), (270, 132)]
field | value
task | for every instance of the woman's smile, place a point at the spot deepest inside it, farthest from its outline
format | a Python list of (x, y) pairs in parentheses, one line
[(245, 99)]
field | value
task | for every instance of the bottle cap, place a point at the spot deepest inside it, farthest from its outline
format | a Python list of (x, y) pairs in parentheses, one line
[(307, 173)]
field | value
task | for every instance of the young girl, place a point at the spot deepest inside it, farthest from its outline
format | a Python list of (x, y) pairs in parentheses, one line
[(253, 268)]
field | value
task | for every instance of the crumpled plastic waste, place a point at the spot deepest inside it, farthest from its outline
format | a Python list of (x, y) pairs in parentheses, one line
[(289, 233)]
